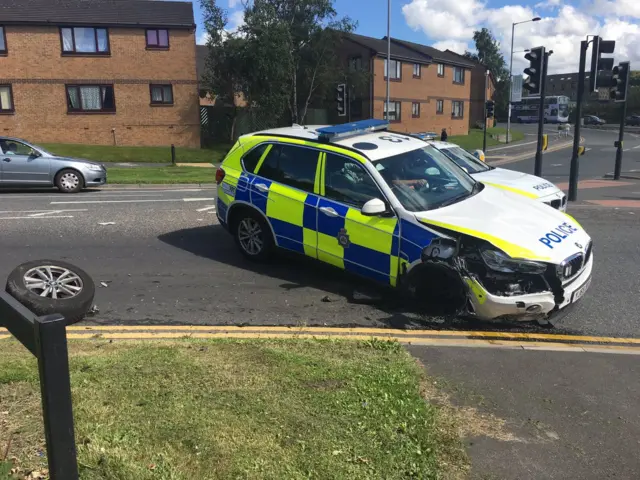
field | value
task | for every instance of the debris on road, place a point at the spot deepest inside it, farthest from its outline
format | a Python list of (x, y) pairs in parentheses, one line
[(104, 284), (106, 223)]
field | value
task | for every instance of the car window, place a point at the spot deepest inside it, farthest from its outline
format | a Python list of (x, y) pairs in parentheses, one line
[(347, 182), (251, 159), (425, 179), (464, 159), (291, 165), (13, 147)]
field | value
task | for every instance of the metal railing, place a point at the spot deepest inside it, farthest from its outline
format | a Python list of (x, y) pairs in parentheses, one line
[(46, 338)]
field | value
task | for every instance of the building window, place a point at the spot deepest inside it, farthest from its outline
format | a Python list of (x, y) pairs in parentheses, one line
[(415, 110), (439, 107), (158, 38), (458, 75), (396, 70), (355, 64), (161, 94), (394, 111), (417, 70), (457, 109), (441, 69), (90, 99), (3, 41), (84, 41), (6, 99)]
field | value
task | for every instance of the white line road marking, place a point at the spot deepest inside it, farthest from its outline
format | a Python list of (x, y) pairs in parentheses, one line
[(556, 164), (489, 150), (106, 223), (35, 218), (637, 146), (45, 211), (135, 201), (204, 209), (97, 195)]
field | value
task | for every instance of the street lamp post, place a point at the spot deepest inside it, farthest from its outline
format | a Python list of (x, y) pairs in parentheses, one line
[(513, 28)]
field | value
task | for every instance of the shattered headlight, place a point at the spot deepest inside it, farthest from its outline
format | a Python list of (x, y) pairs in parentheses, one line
[(501, 262)]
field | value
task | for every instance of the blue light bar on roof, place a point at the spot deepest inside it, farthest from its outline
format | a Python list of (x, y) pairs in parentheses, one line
[(336, 132)]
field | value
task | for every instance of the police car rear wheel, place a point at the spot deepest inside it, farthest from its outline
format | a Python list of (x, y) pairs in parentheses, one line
[(253, 237)]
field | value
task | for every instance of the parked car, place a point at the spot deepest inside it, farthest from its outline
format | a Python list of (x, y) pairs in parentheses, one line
[(391, 208), (593, 120), (522, 183), (632, 120), (23, 164)]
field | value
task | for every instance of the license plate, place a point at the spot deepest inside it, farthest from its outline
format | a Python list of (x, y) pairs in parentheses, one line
[(579, 293)]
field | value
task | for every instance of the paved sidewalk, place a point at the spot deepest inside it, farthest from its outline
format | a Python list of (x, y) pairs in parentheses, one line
[(543, 415)]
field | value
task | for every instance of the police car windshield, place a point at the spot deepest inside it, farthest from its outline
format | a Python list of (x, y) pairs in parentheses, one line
[(425, 179), (465, 160)]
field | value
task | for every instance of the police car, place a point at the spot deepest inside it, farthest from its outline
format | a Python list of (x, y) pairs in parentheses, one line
[(517, 182), (394, 209)]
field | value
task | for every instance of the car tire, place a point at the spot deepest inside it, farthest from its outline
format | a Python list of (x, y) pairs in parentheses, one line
[(74, 296), (69, 181), (253, 235)]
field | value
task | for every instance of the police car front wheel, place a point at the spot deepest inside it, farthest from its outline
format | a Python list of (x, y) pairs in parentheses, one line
[(252, 236)]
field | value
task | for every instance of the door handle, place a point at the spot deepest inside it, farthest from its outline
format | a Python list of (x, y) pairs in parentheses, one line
[(6, 159), (262, 187), (330, 212)]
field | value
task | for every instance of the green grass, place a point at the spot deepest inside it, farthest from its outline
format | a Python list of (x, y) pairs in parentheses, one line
[(161, 175), (252, 409), (473, 141), (107, 153)]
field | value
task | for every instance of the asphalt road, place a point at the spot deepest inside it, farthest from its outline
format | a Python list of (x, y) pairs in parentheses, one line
[(164, 259)]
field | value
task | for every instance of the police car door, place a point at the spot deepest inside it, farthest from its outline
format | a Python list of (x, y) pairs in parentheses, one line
[(348, 239), (283, 189)]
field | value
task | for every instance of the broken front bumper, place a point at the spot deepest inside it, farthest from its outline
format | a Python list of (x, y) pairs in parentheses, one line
[(533, 306)]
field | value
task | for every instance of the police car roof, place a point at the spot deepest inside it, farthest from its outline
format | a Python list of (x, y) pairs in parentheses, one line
[(374, 145)]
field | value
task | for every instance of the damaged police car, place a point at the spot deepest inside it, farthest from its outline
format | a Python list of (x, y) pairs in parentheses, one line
[(394, 209)]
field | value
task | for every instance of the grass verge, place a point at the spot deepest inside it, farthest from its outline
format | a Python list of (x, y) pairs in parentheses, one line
[(109, 153), (161, 175), (473, 141), (236, 409)]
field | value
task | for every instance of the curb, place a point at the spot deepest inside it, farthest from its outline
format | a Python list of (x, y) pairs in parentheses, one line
[(159, 186), (633, 176)]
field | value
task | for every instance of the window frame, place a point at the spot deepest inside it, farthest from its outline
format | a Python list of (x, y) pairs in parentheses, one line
[(156, 47), (458, 69), (74, 52), (8, 111), (162, 103), (360, 166), (355, 63), (441, 75), (3, 35), (441, 110), (270, 147), (398, 71), (81, 111), (461, 103), (419, 69), (413, 113), (397, 111)]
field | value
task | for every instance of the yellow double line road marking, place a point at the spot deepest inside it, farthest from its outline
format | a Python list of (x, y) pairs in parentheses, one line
[(460, 338)]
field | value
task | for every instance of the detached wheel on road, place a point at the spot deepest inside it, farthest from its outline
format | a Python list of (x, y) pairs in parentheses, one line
[(69, 181), (253, 235), (50, 286)]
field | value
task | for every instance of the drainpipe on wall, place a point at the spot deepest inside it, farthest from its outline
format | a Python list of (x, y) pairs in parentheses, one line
[(115, 142)]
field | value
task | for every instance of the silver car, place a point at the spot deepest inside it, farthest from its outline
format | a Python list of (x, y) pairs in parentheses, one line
[(23, 164)]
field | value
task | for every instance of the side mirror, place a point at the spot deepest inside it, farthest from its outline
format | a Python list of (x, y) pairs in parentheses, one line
[(374, 207), (35, 154), (479, 154), (432, 171)]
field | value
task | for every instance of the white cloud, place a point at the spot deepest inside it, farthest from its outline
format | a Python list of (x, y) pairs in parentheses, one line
[(453, 45), (235, 21), (451, 24), (234, 3), (203, 38)]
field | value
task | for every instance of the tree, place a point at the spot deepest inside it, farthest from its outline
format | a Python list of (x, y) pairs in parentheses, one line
[(488, 54), (224, 77), (302, 36)]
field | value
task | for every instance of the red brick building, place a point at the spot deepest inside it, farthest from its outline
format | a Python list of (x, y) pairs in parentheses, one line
[(429, 89), (102, 72)]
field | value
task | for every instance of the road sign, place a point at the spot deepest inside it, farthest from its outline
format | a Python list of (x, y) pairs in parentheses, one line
[(516, 89)]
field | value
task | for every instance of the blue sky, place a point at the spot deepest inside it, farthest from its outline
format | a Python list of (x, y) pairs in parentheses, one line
[(449, 24)]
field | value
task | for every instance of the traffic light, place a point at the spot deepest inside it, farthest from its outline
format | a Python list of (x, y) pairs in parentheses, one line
[(490, 107), (341, 98), (619, 82), (598, 63), (536, 59)]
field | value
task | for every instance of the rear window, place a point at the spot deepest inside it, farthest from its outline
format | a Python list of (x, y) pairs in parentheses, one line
[(251, 159)]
